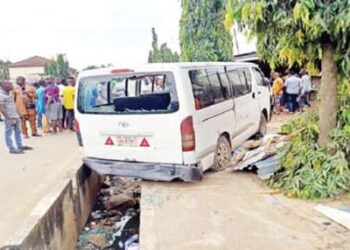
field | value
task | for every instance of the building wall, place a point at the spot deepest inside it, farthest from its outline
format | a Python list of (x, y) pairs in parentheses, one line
[(31, 74)]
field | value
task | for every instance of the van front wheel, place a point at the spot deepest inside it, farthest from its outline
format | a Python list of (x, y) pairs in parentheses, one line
[(222, 158)]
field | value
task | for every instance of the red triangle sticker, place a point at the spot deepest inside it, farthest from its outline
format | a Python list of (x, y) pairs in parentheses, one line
[(144, 143), (109, 142)]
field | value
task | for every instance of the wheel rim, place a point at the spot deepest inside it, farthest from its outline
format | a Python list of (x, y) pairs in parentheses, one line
[(223, 155)]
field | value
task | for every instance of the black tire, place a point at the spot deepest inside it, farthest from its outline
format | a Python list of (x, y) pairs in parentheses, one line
[(262, 126), (223, 153)]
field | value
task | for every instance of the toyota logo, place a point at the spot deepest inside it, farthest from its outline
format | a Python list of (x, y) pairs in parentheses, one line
[(123, 124)]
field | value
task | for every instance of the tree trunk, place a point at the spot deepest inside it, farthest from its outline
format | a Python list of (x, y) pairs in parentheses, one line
[(328, 96)]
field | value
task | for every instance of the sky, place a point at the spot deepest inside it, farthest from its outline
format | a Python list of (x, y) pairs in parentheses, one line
[(89, 32)]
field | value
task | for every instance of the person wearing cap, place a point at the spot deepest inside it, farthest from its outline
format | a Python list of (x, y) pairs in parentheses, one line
[(25, 98)]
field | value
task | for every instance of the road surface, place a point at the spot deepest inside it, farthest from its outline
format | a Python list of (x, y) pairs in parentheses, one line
[(25, 179), (229, 211)]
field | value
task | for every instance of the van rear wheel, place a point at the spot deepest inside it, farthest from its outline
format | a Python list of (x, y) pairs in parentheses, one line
[(222, 158)]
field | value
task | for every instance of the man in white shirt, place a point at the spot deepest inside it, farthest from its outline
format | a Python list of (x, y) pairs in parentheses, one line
[(306, 85), (293, 89)]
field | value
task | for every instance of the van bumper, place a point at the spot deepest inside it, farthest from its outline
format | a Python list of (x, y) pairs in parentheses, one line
[(147, 171)]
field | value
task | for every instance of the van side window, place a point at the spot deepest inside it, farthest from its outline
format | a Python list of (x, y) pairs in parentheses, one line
[(215, 85), (258, 76), (202, 93), (225, 84), (248, 77), (239, 82)]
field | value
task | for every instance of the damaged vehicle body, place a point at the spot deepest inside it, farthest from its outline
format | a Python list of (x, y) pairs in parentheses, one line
[(169, 121)]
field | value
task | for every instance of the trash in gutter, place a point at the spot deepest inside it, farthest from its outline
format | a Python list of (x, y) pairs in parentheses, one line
[(115, 220), (341, 216), (261, 155)]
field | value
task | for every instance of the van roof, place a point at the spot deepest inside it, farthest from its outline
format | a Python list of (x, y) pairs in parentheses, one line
[(159, 67)]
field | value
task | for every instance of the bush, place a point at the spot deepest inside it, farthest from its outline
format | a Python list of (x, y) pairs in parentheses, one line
[(309, 172)]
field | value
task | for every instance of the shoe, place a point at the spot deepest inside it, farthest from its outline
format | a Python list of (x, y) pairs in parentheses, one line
[(36, 135), (16, 152), (26, 136), (26, 148)]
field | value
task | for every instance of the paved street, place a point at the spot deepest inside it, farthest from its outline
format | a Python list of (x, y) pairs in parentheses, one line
[(25, 179), (233, 211)]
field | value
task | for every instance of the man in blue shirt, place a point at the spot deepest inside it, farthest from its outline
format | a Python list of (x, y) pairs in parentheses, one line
[(40, 107)]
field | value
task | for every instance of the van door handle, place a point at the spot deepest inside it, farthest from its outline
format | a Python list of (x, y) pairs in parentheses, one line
[(253, 95)]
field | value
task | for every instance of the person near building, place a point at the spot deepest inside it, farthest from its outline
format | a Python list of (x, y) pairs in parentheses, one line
[(68, 103), (61, 84), (53, 106), (25, 99), (40, 104), (307, 86), (277, 92), (293, 89), (11, 119)]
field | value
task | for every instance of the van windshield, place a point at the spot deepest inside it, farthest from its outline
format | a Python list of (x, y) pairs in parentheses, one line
[(128, 94)]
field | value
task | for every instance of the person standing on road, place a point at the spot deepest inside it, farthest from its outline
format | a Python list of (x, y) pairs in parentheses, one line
[(40, 105), (293, 88), (60, 83), (53, 105), (307, 86), (277, 92), (68, 103), (25, 99), (12, 119)]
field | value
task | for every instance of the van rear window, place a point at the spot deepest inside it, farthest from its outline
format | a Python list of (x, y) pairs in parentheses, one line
[(128, 94)]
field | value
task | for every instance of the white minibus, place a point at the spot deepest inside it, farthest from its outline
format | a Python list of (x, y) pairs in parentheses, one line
[(169, 121)]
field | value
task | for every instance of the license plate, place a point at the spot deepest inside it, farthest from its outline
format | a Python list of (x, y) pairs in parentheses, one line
[(127, 141)]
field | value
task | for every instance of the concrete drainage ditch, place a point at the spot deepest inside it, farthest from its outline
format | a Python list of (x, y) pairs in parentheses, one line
[(115, 219)]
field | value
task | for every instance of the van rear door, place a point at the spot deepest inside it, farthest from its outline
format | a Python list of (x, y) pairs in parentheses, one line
[(130, 117)]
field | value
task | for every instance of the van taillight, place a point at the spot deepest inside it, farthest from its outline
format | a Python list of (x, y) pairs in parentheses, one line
[(77, 131), (188, 135)]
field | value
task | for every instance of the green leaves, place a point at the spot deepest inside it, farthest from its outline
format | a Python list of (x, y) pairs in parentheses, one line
[(295, 26), (203, 35), (162, 53), (4, 70), (58, 66)]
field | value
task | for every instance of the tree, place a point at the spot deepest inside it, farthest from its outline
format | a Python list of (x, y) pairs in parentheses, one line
[(90, 67), (58, 66), (4, 70), (203, 36), (302, 32), (162, 54)]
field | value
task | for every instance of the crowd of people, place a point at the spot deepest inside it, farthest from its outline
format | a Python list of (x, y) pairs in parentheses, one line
[(291, 91), (47, 105)]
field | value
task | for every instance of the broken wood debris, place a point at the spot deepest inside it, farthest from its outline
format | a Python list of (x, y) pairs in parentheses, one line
[(261, 155)]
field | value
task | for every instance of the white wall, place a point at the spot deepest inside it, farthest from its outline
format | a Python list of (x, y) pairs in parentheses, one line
[(241, 43), (30, 73)]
